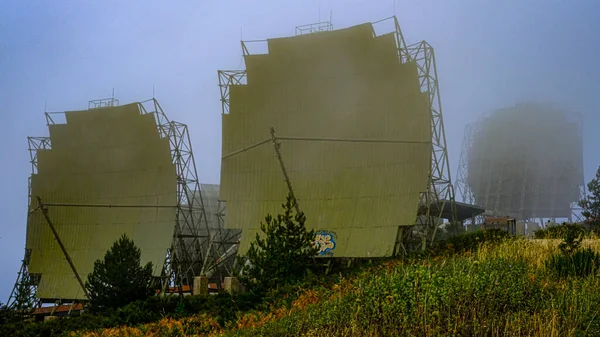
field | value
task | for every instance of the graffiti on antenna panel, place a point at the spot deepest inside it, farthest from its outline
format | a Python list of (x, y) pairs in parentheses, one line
[(325, 242)]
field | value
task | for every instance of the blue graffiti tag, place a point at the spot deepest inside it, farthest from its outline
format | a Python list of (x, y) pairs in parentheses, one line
[(324, 242)]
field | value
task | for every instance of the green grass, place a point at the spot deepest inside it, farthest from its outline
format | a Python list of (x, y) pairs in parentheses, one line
[(500, 290)]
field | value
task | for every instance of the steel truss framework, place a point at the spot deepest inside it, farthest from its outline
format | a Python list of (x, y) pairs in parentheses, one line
[(226, 246), (191, 247), (494, 209), (23, 295), (194, 250), (439, 188)]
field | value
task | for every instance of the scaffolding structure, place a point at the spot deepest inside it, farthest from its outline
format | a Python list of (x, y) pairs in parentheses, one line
[(23, 295), (439, 190), (196, 247), (191, 247), (223, 241), (322, 26), (518, 162)]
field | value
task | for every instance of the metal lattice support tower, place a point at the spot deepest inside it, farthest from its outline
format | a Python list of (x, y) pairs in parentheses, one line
[(486, 205), (233, 237), (464, 190), (536, 194), (500, 182), (197, 249), (227, 246), (461, 178), (191, 248), (575, 207), (524, 187), (228, 78), (440, 189), (22, 297)]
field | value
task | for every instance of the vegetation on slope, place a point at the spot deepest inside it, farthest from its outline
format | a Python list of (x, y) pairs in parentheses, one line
[(501, 286), (501, 289), (504, 290)]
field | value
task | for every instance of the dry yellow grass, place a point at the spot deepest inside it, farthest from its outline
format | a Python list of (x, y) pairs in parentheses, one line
[(532, 251)]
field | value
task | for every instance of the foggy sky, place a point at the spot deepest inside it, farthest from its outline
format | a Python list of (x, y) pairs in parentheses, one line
[(489, 54)]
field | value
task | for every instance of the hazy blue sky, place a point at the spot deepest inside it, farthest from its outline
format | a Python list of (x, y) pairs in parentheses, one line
[(490, 54)]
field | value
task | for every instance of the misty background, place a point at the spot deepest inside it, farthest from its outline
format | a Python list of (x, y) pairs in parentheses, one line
[(61, 54)]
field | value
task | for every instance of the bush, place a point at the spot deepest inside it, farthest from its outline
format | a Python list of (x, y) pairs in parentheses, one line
[(450, 230), (469, 241), (58, 327), (580, 263), (136, 313), (560, 231), (223, 308), (571, 260)]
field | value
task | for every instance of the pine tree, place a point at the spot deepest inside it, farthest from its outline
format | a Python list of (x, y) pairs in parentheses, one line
[(119, 278), (24, 296), (591, 203), (283, 254)]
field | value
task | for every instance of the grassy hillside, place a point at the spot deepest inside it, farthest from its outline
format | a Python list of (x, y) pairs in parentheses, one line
[(499, 290)]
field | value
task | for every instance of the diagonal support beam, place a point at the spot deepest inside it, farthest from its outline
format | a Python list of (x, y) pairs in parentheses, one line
[(276, 145), (44, 210)]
